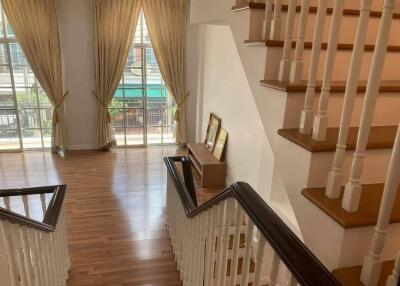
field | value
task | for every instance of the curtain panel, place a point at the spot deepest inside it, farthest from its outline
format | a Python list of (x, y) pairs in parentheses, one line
[(114, 25), (167, 24), (34, 23)]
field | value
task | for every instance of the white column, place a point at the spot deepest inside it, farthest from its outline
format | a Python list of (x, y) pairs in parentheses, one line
[(393, 279), (321, 119), (276, 21), (335, 178), (268, 19), (352, 192), (373, 262), (307, 114), (284, 69), (296, 70)]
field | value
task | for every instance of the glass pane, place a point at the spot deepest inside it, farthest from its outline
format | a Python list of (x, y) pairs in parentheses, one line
[(47, 115), (146, 35), (154, 135), (8, 119), (24, 77), (154, 116), (119, 135), (26, 97), (9, 139), (134, 117), (134, 136), (3, 54), (168, 116), (1, 23), (6, 98), (44, 99), (134, 58), (29, 118), (17, 55), (117, 101), (31, 138), (117, 117), (5, 77), (47, 138), (9, 31), (133, 78), (134, 97), (169, 134)]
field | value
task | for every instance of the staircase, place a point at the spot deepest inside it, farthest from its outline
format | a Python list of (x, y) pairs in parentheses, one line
[(324, 78)]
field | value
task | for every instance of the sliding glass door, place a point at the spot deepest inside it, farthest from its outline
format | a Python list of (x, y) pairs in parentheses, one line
[(25, 112), (142, 111)]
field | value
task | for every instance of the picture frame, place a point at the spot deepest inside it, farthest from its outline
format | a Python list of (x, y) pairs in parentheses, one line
[(214, 123), (220, 143)]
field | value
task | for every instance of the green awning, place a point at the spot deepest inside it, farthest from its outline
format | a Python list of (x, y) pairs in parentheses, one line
[(136, 90)]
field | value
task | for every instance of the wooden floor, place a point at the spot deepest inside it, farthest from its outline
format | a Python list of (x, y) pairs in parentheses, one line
[(114, 208)]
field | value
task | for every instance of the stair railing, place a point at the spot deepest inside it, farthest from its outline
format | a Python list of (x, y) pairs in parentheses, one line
[(335, 177), (352, 193), (235, 238), (36, 253), (276, 21), (307, 114)]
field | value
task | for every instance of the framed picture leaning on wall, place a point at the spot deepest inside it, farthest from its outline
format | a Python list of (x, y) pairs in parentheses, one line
[(220, 144), (214, 124)]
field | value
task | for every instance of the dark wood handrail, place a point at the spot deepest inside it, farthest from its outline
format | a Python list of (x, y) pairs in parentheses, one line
[(301, 262), (53, 211)]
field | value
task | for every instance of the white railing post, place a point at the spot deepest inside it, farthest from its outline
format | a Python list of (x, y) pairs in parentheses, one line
[(373, 262), (7, 203), (321, 119), (43, 203), (259, 260), (274, 270), (268, 19), (335, 178), (276, 21), (247, 252), (352, 193), (296, 70), (307, 114), (26, 205), (284, 69), (393, 279), (7, 271), (236, 244)]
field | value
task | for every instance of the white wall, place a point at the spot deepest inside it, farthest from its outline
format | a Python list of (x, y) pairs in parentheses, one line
[(225, 91)]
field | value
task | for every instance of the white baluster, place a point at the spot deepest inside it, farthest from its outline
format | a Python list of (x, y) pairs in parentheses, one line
[(247, 252), (236, 245), (201, 249), (43, 202), (352, 193), (259, 260), (220, 241), (213, 220), (321, 119), (224, 261), (373, 262), (7, 203), (274, 270), (26, 205), (19, 254), (268, 19), (307, 114), (36, 262), (335, 177), (44, 246), (292, 281), (27, 255), (393, 279), (296, 70), (276, 21), (5, 232), (284, 69)]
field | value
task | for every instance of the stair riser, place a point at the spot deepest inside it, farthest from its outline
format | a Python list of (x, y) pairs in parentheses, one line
[(342, 63), (375, 166), (386, 113)]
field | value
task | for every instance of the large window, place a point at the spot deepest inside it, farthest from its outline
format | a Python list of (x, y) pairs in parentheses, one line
[(25, 111), (142, 110)]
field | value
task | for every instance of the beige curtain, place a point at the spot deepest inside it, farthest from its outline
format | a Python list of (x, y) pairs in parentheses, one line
[(114, 25), (35, 26), (167, 24)]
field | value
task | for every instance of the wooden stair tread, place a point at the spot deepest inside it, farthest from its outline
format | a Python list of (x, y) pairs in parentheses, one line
[(308, 45), (367, 215), (350, 276), (312, 9), (336, 86), (380, 137)]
